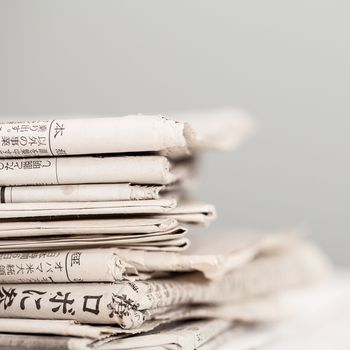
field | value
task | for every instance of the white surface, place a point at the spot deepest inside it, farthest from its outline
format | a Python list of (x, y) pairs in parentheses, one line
[(321, 321)]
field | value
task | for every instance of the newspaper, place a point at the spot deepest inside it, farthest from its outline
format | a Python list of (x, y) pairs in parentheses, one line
[(213, 254), (124, 226), (185, 335), (180, 244), (63, 266), (84, 170), (217, 129), (172, 240), (130, 304), (193, 212), (326, 327), (85, 209), (190, 213), (262, 325), (78, 193), (264, 309), (112, 264), (295, 332), (41, 342), (98, 135)]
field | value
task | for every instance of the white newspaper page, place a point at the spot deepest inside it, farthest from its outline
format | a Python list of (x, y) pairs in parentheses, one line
[(43, 342), (196, 213), (96, 135), (172, 240), (84, 209), (193, 212), (93, 265), (84, 170), (78, 193), (185, 335), (11, 229), (214, 254)]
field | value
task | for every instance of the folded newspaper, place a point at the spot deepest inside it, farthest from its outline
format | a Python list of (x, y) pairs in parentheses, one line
[(261, 323), (218, 129), (96, 248)]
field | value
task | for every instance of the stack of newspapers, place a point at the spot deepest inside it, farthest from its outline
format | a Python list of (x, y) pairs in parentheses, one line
[(95, 251)]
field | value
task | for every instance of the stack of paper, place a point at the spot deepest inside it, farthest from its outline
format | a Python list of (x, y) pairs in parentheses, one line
[(94, 216)]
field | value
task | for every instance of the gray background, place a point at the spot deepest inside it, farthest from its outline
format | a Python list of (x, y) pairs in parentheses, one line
[(286, 62)]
